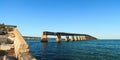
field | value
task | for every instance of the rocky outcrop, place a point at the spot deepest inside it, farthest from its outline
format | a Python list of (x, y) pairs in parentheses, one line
[(12, 44), (20, 46), (6, 46), (5, 40), (26, 56)]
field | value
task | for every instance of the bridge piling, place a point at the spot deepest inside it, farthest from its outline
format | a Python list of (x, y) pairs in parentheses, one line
[(44, 37), (74, 36), (81, 38), (78, 37), (58, 38), (67, 38), (84, 38)]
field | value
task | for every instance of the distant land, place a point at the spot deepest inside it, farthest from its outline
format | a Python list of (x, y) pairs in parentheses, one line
[(50, 38), (36, 38)]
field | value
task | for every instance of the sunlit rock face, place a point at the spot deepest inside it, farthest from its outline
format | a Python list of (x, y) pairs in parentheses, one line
[(5, 40)]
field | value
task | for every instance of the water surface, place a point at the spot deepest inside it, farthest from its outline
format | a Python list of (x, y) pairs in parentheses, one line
[(77, 50)]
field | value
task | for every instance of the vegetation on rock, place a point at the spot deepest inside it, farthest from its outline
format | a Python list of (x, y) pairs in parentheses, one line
[(5, 28)]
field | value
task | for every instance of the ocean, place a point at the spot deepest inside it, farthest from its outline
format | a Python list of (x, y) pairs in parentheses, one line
[(75, 50)]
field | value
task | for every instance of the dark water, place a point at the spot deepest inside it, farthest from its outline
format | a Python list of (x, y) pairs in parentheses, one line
[(77, 50)]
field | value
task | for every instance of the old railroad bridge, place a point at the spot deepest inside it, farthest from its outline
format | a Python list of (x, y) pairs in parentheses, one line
[(58, 35)]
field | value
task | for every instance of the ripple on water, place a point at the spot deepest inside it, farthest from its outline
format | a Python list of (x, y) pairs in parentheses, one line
[(77, 50)]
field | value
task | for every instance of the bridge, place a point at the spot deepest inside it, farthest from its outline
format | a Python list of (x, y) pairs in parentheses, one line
[(74, 36)]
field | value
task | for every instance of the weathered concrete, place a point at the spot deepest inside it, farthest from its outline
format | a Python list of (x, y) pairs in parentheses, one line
[(44, 38), (81, 37), (72, 38), (19, 42), (62, 33), (59, 34), (76, 38), (58, 38), (20, 45), (67, 38)]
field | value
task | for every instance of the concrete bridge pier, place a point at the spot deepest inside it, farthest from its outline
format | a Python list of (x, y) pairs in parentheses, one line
[(59, 34), (81, 37), (76, 38), (67, 38), (72, 38), (58, 38), (44, 37)]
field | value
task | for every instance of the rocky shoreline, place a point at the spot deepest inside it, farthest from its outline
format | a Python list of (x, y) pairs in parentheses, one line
[(12, 44)]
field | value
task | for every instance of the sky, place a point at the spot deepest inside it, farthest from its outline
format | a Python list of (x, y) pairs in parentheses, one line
[(99, 18)]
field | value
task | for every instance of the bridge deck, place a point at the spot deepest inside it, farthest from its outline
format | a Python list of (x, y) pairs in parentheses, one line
[(63, 33)]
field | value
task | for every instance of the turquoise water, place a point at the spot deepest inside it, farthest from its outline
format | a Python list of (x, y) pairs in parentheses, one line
[(77, 50)]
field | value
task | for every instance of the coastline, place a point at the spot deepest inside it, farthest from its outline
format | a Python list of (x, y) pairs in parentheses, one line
[(13, 46)]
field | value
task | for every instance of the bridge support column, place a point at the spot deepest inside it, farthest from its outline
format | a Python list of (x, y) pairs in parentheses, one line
[(76, 38), (81, 37), (58, 38), (44, 37), (84, 37), (67, 38), (72, 38)]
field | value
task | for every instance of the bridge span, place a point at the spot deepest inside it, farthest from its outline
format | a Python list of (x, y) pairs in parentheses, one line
[(74, 36)]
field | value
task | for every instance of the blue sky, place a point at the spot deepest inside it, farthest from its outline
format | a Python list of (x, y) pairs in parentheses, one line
[(99, 18)]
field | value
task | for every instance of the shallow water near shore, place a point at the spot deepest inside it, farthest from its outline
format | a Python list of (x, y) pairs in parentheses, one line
[(75, 50)]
